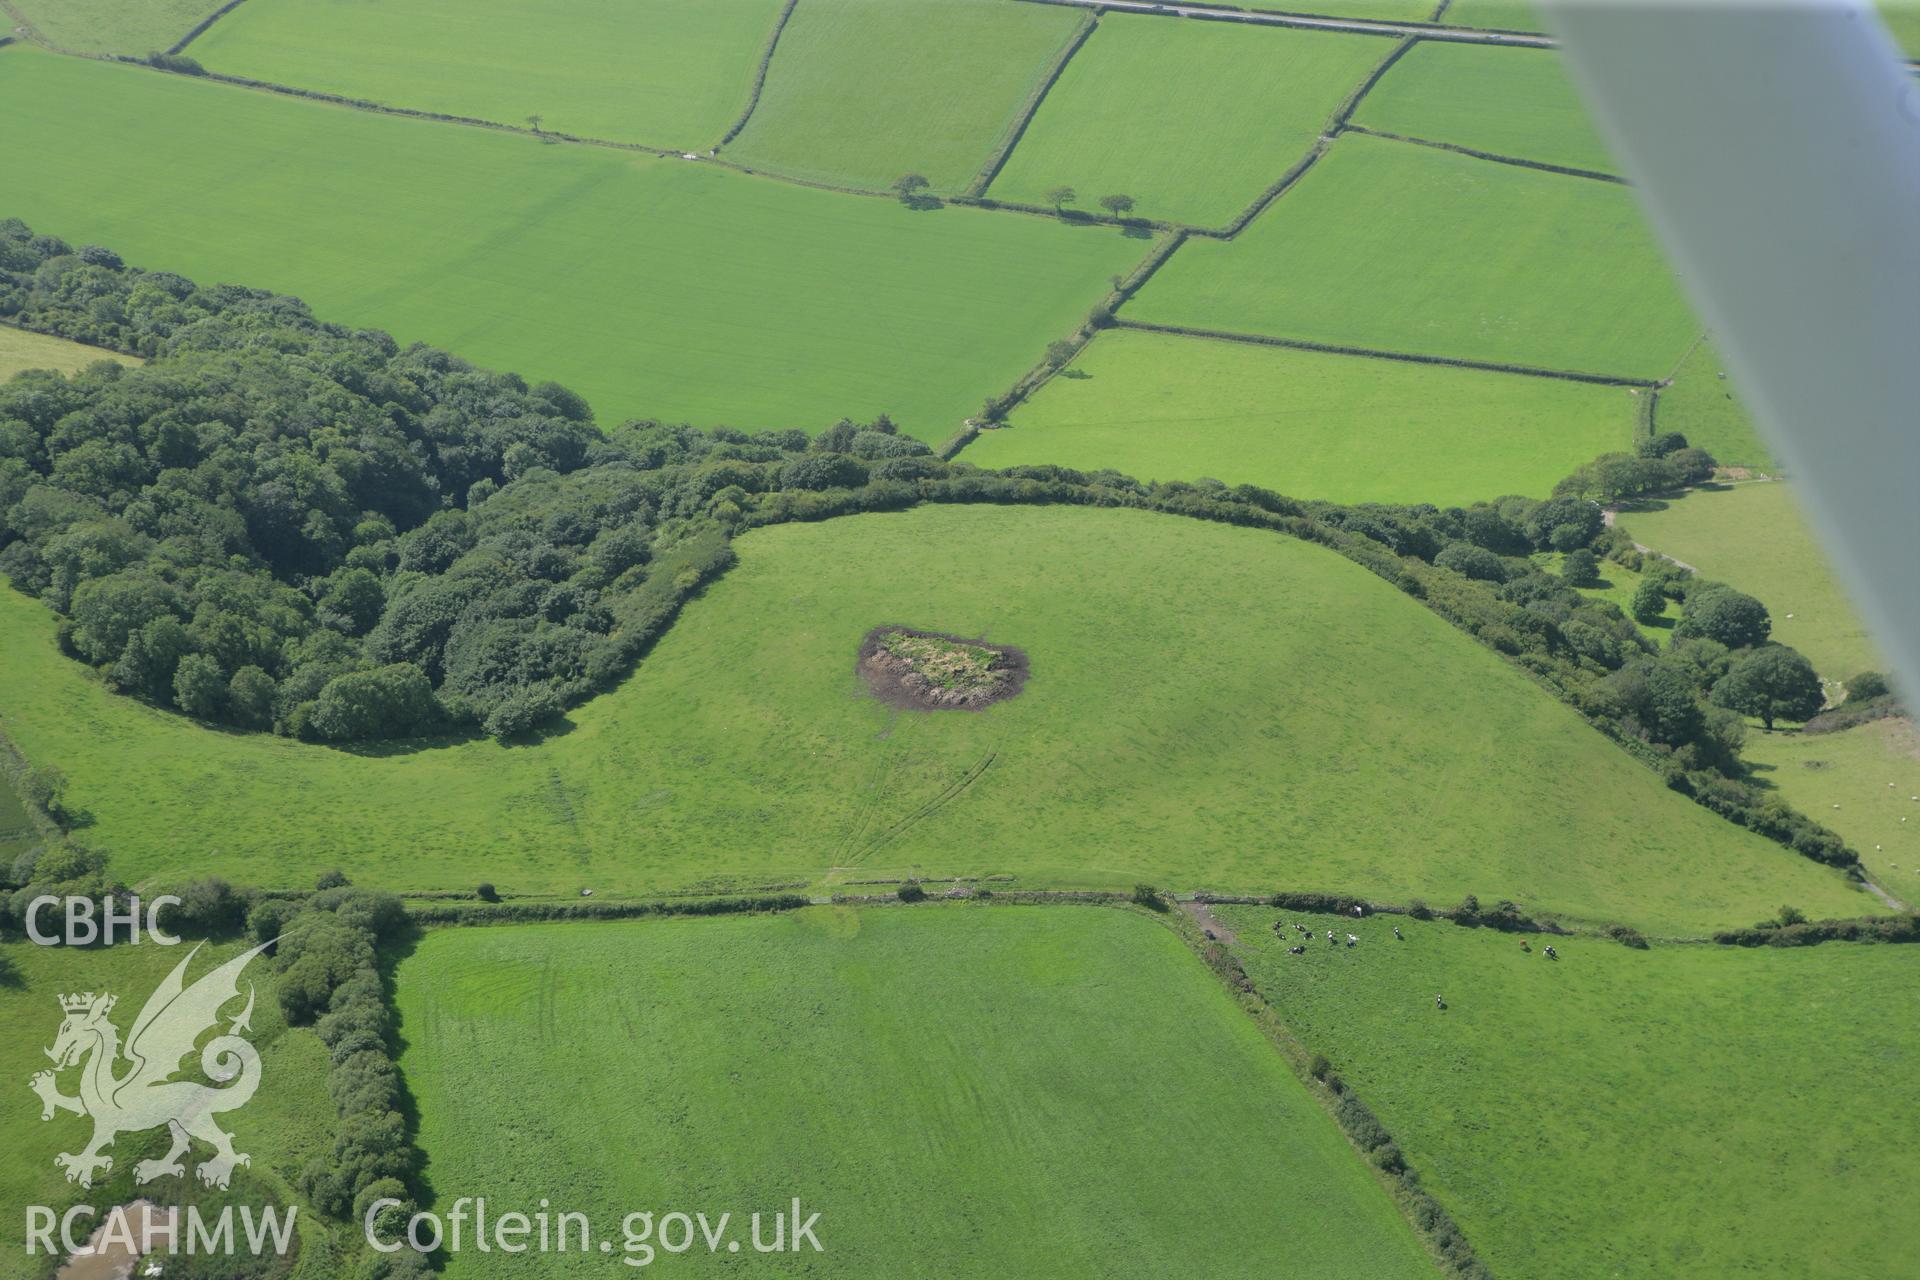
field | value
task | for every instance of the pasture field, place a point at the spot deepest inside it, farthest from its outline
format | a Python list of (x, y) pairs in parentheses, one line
[(135, 27), (21, 350), (1852, 769), (1405, 248), (1192, 119), (1753, 536), (1378, 10), (863, 91), (1497, 15), (668, 73), (287, 1122), (1345, 428), (659, 288), (1207, 707), (1033, 1090), (1511, 102), (1700, 404), (1689, 1110)]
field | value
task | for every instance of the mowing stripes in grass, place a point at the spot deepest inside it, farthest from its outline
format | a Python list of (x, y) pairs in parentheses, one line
[(1406, 248), (1511, 102), (1701, 405), (1035, 1091), (669, 73), (661, 288), (863, 91), (1343, 428), (1206, 706), (1754, 537), (1688, 1110), (1193, 120)]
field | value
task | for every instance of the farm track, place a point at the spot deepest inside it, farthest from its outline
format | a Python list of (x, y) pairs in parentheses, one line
[(947, 795), (1312, 22)]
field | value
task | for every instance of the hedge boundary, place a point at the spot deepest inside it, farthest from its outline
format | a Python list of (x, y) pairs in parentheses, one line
[(1031, 107), (200, 27), (1495, 157), (759, 75)]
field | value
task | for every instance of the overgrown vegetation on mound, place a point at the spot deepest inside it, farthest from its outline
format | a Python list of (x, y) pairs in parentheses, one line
[(284, 523)]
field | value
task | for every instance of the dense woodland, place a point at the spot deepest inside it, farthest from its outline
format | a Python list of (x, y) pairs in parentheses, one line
[(286, 525)]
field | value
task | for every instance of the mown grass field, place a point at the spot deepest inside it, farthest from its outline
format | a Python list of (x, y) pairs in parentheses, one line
[(1681, 1111), (21, 350), (135, 27), (1015, 1091), (1754, 537), (1853, 769), (669, 73), (1399, 247), (1192, 119), (662, 288), (1511, 102), (1700, 404), (1208, 707), (1312, 425), (286, 1123), (863, 91)]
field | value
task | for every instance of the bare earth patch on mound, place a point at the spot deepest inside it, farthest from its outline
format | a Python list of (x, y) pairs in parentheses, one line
[(928, 671)]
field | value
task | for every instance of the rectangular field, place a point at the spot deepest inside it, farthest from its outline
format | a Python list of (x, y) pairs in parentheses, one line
[(131, 27), (1754, 537), (1345, 428), (1033, 1090), (1688, 1110), (863, 91), (659, 288), (1701, 405), (1510, 102), (20, 350), (1405, 248), (1193, 120), (668, 73), (1261, 712)]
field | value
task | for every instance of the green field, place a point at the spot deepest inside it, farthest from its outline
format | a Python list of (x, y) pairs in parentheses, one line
[(1208, 706), (660, 288), (1511, 102), (1032, 1090), (1853, 769), (135, 27), (1192, 119), (1696, 1110), (1406, 248), (287, 1122), (863, 91), (669, 73), (1754, 537), (21, 350), (1499, 15), (1312, 425), (1700, 404)]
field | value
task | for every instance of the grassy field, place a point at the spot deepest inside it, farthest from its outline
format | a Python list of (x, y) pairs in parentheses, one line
[(1695, 1111), (1754, 537), (1313, 425), (1872, 773), (863, 91), (1406, 248), (287, 1122), (653, 287), (1701, 405), (134, 27), (1028, 1089), (669, 73), (1511, 102), (1500, 15), (21, 350), (1208, 707), (1192, 119)]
